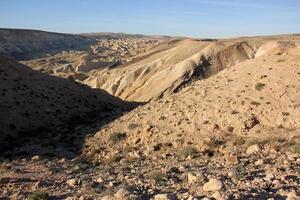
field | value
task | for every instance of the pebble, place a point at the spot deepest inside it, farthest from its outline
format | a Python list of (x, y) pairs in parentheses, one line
[(122, 193), (259, 162), (253, 149), (292, 196), (213, 185), (73, 182), (107, 197), (165, 197), (217, 196), (36, 158), (192, 178)]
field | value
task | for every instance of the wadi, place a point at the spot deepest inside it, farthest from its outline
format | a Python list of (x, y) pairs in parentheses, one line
[(115, 116)]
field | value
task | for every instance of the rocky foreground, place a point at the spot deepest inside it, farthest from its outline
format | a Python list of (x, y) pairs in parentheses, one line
[(253, 170)]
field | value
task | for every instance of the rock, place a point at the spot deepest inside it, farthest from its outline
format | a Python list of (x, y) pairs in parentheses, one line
[(191, 178), (213, 185), (99, 180), (292, 196), (217, 196), (36, 158), (70, 198), (122, 193), (165, 197), (253, 149), (110, 184), (232, 159), (269, 176), (73, 182), (233, 174), (259, 162), (107, 197)]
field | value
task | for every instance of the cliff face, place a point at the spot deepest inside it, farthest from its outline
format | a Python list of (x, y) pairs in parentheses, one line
[(30, 44)]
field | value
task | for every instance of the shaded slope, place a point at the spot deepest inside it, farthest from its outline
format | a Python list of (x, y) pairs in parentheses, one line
[(35, 104)]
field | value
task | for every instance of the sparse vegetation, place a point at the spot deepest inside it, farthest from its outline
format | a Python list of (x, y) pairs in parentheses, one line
[(38, 195), (259, 86), (116, 137), (156, 175), (187, 151), (113, 159)]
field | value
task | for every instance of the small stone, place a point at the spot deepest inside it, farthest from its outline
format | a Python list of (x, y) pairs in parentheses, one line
[(165, 197), (269, 176), (253, 149), (232, 160), (99, 180), (107, 197), (36, 158), (122, 193), (292, 196), (217, 196), (233, 174), (192, 178), (73, 182), (110, 184), (259, 162), (213, 185)]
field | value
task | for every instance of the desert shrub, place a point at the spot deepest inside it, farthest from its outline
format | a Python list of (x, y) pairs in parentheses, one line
[(174, 170), (38, 196), (112, 159), (187, 151), (156, 175), (259, 86), (116, 136), (238, 141), (294, 148), (132, 126), (255, 103)]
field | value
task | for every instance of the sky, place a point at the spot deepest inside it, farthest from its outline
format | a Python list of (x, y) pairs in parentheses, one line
[(193, 18)]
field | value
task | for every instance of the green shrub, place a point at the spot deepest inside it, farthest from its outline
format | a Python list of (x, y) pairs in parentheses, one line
[(187, 151), (156, 175), (38, 195), (259, 86), (116, 136)]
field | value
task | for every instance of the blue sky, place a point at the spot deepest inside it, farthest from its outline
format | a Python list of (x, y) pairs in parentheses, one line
[(196, 18)]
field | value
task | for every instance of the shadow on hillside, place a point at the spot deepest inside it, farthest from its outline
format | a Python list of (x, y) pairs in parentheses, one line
[(50, 116)]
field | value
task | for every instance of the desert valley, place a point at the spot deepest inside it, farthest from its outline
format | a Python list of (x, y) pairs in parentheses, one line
[(114, 116)]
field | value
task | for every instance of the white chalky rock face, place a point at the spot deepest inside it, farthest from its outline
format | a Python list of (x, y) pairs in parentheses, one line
[(213, 185)]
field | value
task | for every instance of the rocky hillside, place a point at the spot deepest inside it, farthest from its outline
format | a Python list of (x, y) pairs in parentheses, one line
[(35, 104), (174, 64), (234, 135), (29, 44)]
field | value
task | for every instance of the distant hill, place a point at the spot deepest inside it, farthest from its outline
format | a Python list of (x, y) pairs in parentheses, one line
[(28, 44)]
